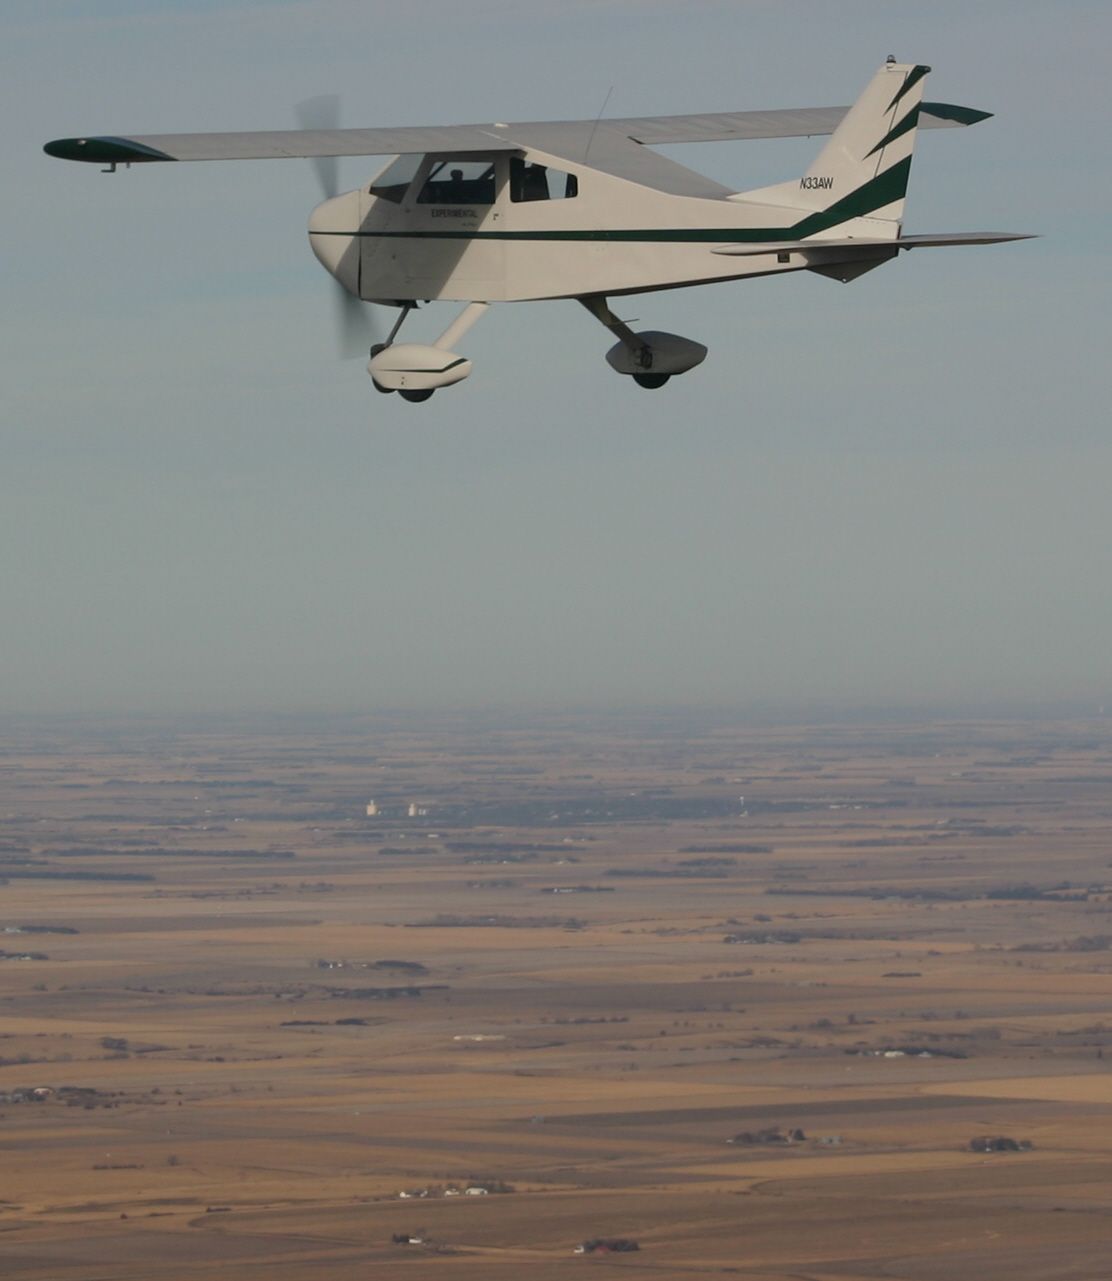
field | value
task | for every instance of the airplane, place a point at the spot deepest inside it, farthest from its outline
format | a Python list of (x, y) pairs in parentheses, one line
[(585, 209)]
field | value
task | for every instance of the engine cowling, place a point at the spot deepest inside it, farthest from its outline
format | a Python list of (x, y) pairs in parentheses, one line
[(331, 225)]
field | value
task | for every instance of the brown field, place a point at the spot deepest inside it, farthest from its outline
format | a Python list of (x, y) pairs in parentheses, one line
[(255, 1015)]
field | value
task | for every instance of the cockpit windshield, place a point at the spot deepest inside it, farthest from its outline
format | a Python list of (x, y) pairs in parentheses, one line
[(393, 182)]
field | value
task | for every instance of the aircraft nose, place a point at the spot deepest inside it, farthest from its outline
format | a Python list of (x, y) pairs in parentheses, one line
[(332, 228)]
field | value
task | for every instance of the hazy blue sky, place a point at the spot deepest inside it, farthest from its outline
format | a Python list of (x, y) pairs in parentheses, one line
[(895, 491)]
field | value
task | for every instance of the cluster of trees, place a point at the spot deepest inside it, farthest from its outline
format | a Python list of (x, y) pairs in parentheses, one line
[(999, 1143), (607, 1245), (773, 1135)]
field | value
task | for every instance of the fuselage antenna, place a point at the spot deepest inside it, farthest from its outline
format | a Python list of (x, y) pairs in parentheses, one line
[(601, 113)]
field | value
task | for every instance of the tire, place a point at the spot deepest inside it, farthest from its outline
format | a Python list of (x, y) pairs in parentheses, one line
[(386, 391), (651, 381), (416, 396)]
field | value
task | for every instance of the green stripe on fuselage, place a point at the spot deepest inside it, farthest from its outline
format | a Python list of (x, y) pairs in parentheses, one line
[(882, 190)]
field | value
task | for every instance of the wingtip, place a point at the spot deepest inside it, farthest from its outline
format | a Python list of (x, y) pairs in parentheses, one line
[(101, 151), (66, 148)]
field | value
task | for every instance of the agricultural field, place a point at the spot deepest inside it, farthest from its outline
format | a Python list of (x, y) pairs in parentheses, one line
[(812, 1001)]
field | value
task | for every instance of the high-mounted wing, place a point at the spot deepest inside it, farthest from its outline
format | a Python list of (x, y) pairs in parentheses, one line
[(792, 122), (285, 144), (613, 151)]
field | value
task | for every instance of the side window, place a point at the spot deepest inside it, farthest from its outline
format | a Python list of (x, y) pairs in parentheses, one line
[(393, 182), (459, 182), (529, 181)]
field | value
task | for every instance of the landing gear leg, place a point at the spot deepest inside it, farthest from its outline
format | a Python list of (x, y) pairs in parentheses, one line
[(406, 308), (641, 353), (650, 358), (381, 346), (461, 325)]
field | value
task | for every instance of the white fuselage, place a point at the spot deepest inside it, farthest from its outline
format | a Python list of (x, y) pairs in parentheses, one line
[(610, 236)]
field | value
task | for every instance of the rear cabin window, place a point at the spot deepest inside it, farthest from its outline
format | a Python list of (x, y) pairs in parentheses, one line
[(393, 182), (459, 182), (539, 182)]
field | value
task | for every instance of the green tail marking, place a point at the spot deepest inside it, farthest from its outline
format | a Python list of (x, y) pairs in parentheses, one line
[(897, 131), (914, 76)]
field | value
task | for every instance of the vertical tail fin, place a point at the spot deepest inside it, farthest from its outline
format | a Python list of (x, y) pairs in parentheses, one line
[(862, 171)]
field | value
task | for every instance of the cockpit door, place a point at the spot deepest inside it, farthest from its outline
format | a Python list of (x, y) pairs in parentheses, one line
[(452, 213)]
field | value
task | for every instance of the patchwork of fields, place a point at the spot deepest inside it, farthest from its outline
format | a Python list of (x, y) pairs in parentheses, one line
[(747, 995)]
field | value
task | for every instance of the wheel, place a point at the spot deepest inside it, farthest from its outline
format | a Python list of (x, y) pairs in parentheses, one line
[(416, 396), (652, 381), (379, 387)]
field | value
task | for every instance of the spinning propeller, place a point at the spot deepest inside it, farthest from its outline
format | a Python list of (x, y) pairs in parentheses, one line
[(357, 327)]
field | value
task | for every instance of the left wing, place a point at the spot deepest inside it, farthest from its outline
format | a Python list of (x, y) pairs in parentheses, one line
[(792, 122), (284, 144), (577, 136)]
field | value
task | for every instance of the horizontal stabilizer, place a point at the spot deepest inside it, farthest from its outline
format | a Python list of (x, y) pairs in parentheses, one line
[(747, 249)]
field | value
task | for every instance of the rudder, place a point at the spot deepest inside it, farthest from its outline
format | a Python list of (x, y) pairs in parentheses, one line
[(863, 170)]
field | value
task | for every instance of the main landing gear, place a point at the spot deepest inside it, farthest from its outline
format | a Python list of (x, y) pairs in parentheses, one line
[(415, 370), (649, 357)]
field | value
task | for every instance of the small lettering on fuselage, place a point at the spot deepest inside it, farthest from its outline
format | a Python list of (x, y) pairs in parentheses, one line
[(816, 184), (453, 213)]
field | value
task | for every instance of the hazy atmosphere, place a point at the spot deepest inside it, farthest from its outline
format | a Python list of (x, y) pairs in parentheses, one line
[(888, 493)]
